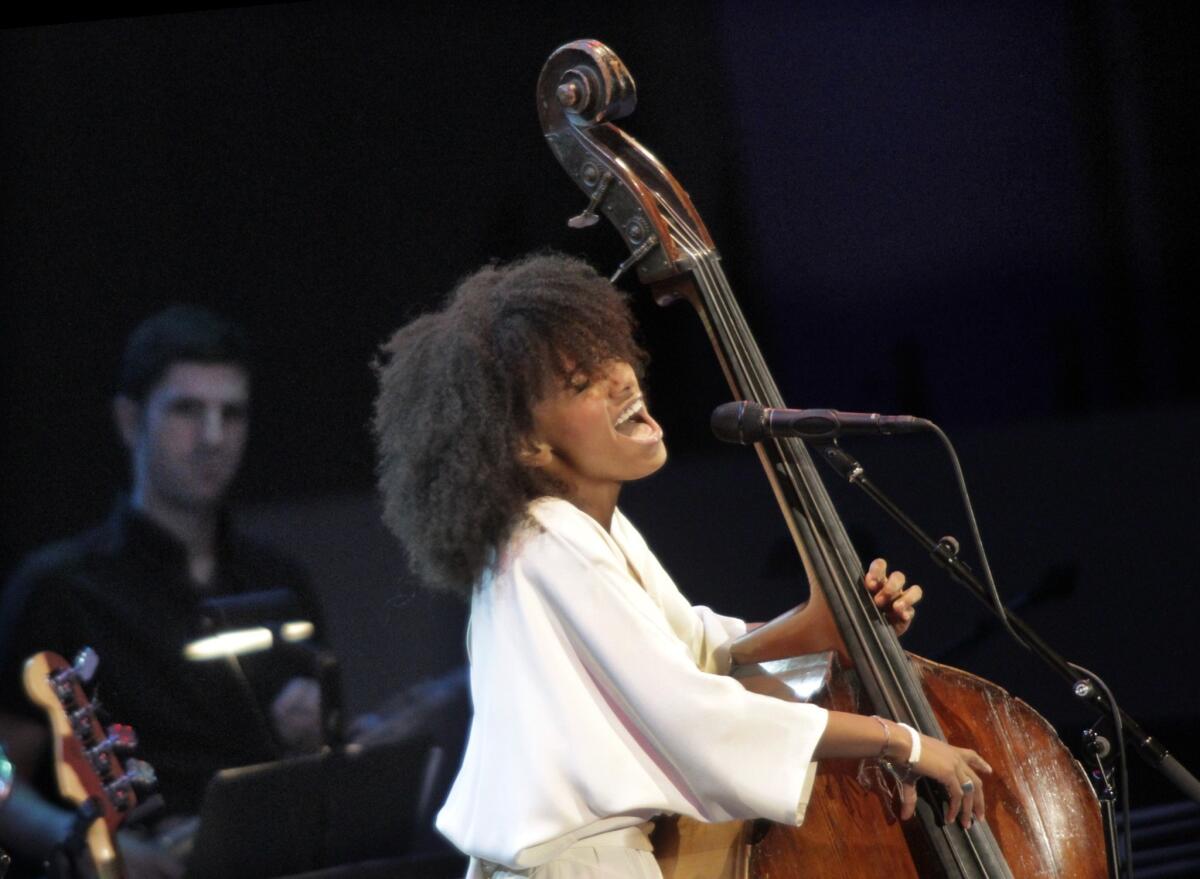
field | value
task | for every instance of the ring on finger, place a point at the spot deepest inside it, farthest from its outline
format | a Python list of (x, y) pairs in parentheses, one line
[(967, 786)]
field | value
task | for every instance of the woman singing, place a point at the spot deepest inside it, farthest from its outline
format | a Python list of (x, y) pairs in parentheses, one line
[(507, 423)]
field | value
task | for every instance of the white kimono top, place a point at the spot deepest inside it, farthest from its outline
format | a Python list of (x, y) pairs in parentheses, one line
[(600, 700)]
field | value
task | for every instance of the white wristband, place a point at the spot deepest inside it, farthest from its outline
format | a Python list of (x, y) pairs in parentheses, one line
[(914, 753)]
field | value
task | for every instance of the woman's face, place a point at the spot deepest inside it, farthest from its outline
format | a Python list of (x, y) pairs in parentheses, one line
[(596, 434)]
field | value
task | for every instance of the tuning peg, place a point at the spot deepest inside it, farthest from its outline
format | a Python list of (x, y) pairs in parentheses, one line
[(588, 217), (84, 725), (102, 759), (123, 738), (591, 177), (64, 688), (140, 774), (85, 665), (634, 258)]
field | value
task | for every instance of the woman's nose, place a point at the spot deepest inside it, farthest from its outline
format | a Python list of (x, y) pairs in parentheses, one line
[(622, 379)]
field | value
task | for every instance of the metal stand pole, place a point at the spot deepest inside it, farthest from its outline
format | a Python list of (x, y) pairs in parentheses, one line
[(945, 553)]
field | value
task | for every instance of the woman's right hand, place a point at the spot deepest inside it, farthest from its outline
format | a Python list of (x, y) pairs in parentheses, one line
[(957, 770), (857, 736)]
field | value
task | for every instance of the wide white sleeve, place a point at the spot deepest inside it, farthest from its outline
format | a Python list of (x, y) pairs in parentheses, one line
[(708, 633), (718, 633), (730, 753)]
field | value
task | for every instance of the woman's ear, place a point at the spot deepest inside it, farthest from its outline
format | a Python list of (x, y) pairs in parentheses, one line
[(534, 453)]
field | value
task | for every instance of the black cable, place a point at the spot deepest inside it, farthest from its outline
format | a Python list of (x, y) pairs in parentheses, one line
[(1122, 766), (1002, 613), (993, 592)]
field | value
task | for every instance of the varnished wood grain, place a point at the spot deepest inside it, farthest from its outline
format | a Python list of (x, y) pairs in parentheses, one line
[(1040, 806)]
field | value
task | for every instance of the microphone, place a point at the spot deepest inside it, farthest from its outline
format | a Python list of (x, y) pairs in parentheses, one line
[(748, 422)]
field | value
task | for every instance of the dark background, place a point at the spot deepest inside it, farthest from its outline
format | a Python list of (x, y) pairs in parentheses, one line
[(978, 214)]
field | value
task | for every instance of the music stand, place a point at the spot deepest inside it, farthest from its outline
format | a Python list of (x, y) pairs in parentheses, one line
[(314, 812)]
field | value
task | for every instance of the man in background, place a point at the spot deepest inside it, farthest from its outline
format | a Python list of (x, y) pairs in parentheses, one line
[(136, 589)]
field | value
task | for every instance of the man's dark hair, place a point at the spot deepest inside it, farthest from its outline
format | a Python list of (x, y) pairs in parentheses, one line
[(178, 334), (456, 394)]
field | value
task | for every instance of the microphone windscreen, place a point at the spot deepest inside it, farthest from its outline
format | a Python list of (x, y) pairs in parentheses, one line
[(738, 422)]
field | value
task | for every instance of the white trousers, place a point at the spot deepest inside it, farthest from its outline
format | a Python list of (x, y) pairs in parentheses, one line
[(618, 854)]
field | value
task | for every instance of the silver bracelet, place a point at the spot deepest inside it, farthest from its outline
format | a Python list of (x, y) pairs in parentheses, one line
[(887, 736)]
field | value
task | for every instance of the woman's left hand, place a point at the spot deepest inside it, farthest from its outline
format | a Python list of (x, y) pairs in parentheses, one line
[(891, 596)]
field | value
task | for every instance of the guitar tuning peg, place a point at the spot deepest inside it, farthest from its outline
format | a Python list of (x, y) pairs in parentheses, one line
[(86, 662), (140, 774), (123, 738)]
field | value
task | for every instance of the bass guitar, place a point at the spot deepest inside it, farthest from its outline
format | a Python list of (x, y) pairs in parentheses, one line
[(91, 762)]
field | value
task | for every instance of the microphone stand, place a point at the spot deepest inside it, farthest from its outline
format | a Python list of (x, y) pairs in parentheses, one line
[(945, 552)]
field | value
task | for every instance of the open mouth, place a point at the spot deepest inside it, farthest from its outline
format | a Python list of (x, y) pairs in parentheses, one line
[(635, 422)]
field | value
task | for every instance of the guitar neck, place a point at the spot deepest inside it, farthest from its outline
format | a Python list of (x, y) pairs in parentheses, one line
[(104, 853)]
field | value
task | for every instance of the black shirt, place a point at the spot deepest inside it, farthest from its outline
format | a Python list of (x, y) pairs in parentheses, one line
[(124, 589)]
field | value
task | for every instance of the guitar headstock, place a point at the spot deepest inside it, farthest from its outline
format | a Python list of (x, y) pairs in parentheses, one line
[(91, 762), (582, 88)]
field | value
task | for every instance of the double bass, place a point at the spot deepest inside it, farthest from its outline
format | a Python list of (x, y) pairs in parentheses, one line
[(1043, 817)]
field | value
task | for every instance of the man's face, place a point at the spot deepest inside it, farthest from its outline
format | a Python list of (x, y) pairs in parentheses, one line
[(189, 435)]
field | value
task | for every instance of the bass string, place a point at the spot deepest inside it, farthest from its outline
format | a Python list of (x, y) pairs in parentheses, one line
[(749, 367), (881, 646)]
